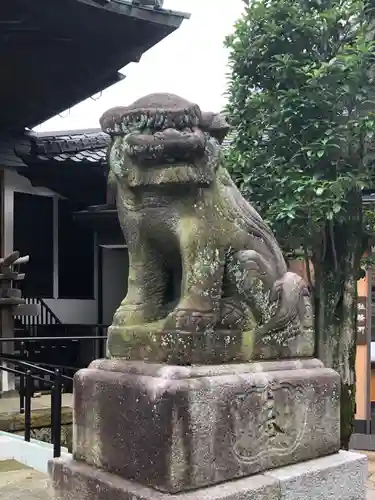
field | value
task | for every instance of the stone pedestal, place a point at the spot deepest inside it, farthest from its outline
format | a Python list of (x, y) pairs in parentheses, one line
[(176, 428), (155, 431)]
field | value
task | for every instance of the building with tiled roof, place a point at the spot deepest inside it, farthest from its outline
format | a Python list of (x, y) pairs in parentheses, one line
[(70, 163)]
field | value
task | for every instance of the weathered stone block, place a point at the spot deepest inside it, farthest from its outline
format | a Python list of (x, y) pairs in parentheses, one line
[(175, 428), (340, 476)]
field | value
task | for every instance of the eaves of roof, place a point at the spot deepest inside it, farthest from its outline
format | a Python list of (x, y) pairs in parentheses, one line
[(54, 55)]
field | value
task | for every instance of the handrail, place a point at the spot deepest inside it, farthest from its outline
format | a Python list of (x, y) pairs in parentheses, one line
[(26, 393), (11, 370), (29, 370), (43, 339), (51, 365), (78, 325), (32, 366)]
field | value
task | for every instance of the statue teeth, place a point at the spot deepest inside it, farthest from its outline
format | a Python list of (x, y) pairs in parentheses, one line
[(159, 120)]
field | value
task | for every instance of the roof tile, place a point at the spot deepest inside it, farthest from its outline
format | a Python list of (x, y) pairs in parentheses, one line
[(81, 147)]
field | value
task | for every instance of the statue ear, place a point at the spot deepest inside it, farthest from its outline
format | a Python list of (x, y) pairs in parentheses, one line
[(215, 124)]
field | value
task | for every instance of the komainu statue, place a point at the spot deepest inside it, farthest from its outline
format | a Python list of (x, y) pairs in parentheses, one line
[(207, 279), (179, 404)]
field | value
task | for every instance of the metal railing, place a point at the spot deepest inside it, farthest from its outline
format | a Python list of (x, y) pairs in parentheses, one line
[(31, 372), (28, 372), (65, 345)]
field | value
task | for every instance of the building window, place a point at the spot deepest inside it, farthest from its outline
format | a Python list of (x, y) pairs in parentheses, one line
[(33, 236), (76, 256)]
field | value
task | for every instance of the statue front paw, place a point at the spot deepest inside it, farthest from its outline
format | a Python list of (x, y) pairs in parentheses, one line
[(130, 314), (190, 320)]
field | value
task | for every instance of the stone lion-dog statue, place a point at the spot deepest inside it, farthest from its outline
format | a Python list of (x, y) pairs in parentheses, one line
[(207, 279)]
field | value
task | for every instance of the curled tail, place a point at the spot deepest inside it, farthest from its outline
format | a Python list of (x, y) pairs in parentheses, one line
[(289, 297), (293, 304)]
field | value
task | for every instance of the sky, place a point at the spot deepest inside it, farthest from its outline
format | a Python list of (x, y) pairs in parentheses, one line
[(191, 62)]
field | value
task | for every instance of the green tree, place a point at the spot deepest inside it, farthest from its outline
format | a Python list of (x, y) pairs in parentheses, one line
[(301, 105)]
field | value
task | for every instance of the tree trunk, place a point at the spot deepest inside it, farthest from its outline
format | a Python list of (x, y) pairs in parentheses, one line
[(336, 269), (335, 307)]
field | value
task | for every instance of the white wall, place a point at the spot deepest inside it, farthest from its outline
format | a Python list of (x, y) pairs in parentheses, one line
[(68, 311), (115, 265), (74, 311)]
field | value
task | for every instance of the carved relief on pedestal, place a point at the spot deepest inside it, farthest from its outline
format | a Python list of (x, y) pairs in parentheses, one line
[(269, 419)]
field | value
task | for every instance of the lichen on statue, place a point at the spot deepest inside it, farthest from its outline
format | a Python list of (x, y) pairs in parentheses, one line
[(207, 279)]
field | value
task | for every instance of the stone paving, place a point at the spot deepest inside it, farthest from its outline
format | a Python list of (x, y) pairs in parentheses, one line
[(18, 482)]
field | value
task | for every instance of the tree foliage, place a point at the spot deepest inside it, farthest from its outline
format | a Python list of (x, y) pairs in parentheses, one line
[(301, 102)]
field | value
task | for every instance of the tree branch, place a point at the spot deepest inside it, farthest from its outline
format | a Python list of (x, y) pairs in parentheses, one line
[(324, 238), (332, 237), (308, 272)]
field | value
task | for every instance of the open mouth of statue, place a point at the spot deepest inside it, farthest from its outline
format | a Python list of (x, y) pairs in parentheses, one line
[(165, 146), (167, 156)]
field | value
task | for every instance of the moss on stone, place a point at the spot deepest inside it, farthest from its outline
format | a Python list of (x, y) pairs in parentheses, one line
[(141, 343)]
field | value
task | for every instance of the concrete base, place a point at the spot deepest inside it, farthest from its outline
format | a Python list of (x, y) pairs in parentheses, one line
[(339, 476)]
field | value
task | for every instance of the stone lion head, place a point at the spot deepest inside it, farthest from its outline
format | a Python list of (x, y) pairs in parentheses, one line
[(163, 139)]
